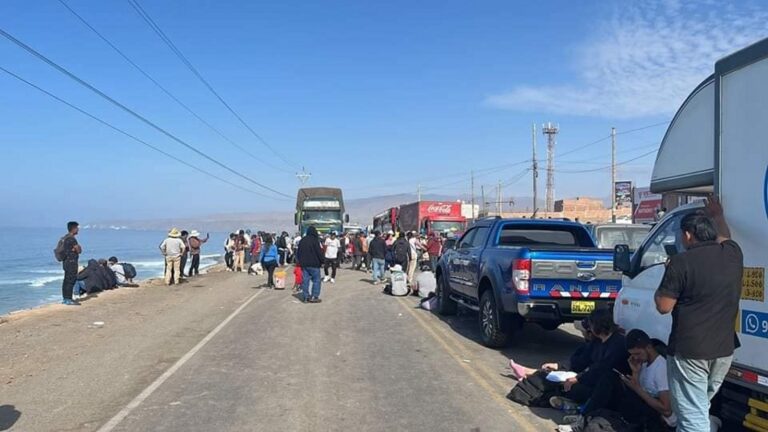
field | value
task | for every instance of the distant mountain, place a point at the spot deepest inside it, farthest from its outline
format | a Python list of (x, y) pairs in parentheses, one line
[(360, 210)]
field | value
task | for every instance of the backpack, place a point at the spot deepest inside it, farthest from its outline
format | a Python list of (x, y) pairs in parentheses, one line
[(401, 251), (59, 251), (129, 271), (534, 391), (608, 421)]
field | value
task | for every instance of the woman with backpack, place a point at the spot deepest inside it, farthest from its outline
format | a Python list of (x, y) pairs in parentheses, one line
[(195, 245), (268, 257)]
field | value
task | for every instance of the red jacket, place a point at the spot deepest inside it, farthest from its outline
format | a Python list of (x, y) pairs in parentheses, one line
[(434, 246)]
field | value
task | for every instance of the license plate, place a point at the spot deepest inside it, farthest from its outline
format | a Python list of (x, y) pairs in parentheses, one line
[(582, 307)]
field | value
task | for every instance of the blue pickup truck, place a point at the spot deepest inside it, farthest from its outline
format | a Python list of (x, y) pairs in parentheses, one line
[(525, 270)]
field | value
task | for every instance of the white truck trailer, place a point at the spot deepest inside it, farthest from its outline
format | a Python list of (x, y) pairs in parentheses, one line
[(716, 143)]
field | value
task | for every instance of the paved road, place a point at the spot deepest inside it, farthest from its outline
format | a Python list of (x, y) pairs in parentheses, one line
[(259, 360)]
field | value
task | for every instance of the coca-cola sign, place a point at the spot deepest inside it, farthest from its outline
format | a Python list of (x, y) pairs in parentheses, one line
[(440, 209)]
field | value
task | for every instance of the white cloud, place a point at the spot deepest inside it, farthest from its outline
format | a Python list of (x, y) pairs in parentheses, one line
[(645, 59)]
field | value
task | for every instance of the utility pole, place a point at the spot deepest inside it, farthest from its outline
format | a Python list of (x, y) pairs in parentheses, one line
[(418, 192), (482, 197), (613, 174), (498, 198), (535, 170), (550, 131), (472, 183), (303, 176)]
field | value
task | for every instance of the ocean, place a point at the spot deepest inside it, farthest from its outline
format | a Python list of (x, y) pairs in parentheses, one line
[(30, 276)]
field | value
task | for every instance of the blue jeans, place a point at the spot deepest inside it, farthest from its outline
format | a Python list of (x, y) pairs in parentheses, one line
[(379, 265), (692, 384), (307, 274), (79, 287)]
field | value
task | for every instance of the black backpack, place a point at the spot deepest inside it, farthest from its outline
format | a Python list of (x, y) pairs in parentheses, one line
[(534, 391), (59, 252), (401, 251), (608, 421), (129, 271)]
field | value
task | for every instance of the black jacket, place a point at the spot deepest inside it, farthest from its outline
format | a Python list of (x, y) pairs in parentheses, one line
[(611, 354), (309, 253), (378, 248)]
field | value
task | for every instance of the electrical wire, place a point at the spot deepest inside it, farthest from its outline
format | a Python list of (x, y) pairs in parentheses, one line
[(609, 166), (132, 112), (121, 131), (148, 19), (166, 91)]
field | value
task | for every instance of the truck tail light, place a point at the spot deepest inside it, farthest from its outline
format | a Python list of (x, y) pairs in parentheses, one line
[(521, 275)]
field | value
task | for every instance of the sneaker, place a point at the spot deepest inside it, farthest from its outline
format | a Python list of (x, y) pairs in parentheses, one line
[(333, 281), (326, 279), (563, 404), (69, 302), (375, 281), (577, 419), (570, 428)]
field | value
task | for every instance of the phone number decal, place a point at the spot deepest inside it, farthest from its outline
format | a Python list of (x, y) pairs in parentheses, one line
[(754, 323)]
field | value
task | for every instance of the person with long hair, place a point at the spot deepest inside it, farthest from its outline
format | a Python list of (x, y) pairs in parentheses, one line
[(268, 257)]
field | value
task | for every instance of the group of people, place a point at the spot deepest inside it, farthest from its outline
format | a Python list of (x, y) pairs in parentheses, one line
[(177, 249), (99, 275), (642, 382)]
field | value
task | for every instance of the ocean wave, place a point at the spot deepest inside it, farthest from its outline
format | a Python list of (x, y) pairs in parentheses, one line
[(34, 282), (47, 271)]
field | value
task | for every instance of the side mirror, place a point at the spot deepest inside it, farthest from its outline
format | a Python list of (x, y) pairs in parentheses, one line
[(621, 258), (670, 249), (295, 218), (346, 218)]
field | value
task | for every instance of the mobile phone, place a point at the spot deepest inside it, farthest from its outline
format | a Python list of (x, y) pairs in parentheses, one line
[(620, 374)]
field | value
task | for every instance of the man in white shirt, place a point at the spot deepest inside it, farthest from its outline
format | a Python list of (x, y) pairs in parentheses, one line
[(172, 248), (641, 399), (332, 246), (416, 252)]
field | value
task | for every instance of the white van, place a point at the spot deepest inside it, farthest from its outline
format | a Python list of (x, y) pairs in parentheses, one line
[(716, 143)]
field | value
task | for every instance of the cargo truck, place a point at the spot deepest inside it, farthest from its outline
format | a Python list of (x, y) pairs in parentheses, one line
[(426, 217), (716, 143), (321, 207)]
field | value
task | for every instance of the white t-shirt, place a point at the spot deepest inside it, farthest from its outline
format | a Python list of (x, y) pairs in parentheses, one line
[(426, 283), (653, 379), (119, 272), (332, 248)]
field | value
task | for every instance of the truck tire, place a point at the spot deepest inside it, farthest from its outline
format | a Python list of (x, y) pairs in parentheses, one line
[(495, 332), (445, 304)]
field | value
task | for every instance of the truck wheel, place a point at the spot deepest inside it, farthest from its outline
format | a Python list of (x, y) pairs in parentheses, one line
[(445, 305), (495, 334)]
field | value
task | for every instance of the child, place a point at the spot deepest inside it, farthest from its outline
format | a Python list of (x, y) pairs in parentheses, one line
[(297, 278)]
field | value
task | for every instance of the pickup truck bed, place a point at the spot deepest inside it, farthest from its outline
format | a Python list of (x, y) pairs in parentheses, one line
[(512, 271)]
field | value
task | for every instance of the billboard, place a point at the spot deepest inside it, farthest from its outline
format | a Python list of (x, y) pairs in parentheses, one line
[(623, 194), (647, 205)]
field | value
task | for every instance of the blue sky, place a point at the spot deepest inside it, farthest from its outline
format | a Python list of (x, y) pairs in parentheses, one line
[(374, 97)]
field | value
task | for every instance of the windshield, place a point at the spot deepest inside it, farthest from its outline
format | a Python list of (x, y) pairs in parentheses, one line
[(608, 238), (322, 216), (447, 226)]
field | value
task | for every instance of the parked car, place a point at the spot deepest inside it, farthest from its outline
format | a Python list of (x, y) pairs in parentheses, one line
[(517, 270), (607, 236)]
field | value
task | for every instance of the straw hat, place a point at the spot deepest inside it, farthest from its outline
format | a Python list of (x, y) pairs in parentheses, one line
[(194, 233), (174, 233)]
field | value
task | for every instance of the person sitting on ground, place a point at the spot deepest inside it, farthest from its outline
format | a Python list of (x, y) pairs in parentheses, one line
[(641, 398), (586, 354), (398, 282), (611, 355), (93, 278), (119, 271), (425, 283), (110, 279)]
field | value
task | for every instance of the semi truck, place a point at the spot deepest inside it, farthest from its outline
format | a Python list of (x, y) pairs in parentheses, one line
[(321, 207), (426, 217), (386, 221), (716, 143)]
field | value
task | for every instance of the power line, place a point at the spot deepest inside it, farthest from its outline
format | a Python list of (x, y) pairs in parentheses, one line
[(165, 90), (121, 131), (609, 166), (145, 16), (132, 112), (643, 128)]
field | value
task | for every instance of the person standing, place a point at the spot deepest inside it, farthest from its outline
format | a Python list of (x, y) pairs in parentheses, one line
[(268, 257), (229, 251), (185, 254), (364, 243), (240, 245), (401, 252), (172, 248), (332, 248), (309, 255), (195, 246), (255, 252), (416, 252), (68, 252), (282, 247), (434, 250), (701, 288), (357, 251), (378, 252)]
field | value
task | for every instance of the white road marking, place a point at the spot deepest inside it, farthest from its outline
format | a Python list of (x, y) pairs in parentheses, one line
[(138, 400)]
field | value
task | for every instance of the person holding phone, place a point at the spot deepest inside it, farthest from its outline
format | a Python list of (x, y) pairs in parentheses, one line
[(641, 398)]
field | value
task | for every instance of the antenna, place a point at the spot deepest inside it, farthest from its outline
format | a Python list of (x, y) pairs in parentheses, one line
[(550, 131)]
